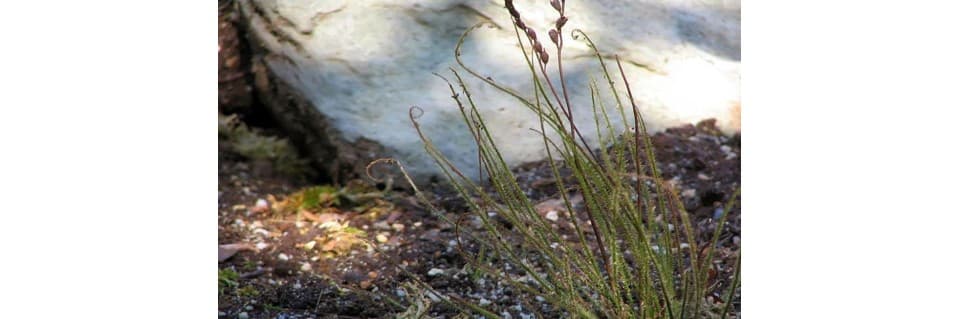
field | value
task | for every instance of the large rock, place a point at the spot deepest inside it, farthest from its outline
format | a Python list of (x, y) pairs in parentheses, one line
[(344, 73)]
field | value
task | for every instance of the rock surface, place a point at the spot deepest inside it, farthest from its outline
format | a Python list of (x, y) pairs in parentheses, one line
[(342, 75)]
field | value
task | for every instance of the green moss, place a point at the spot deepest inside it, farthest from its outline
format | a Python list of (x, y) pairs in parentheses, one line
[(254, 145), (248, 291), (227, 278)]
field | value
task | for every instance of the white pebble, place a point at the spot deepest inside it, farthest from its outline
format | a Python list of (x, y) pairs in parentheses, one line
[(435, 272), (262, 204), (484, 302), (305, 267), (310, 244), (433, 296), (552, 215), (262, 245), (243, 315), (689, 193), (382, 238), (283, 257)]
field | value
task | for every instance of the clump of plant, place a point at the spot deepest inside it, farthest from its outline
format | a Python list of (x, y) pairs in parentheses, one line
[(311, 201), (227, 279), (331, 208), (633, 252), (252, 144)]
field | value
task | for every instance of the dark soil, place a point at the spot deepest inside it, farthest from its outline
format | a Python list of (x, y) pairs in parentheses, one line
[(279, 277)]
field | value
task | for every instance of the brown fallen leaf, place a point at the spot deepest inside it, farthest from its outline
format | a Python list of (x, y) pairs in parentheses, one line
[(228, 250), (322, 217)]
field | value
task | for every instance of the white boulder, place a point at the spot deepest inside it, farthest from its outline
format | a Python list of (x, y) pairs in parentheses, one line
[(361, 65)]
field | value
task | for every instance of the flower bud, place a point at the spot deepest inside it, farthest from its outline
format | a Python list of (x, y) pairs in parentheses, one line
[(560, 22), (554, 36), (555, 4), (531, 34), (519, 24)]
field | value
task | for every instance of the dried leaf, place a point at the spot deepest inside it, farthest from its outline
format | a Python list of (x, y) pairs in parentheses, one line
[(228, 250)]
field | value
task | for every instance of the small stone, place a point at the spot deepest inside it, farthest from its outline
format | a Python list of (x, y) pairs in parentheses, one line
[(261, 206), (239, 207), (736, 240), (552, 215), (243, 315), (703, 176), (689, 193), (309, 245), (297, 285), (222, 314), (417, 224), (484, 302), (283, 257), (433, 296), (381, 225), (305, 267), (248, 308), (684, 245), (435, 272), (398, 226), (717, 213), (382, 238), (725, 148), (262, 245)]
